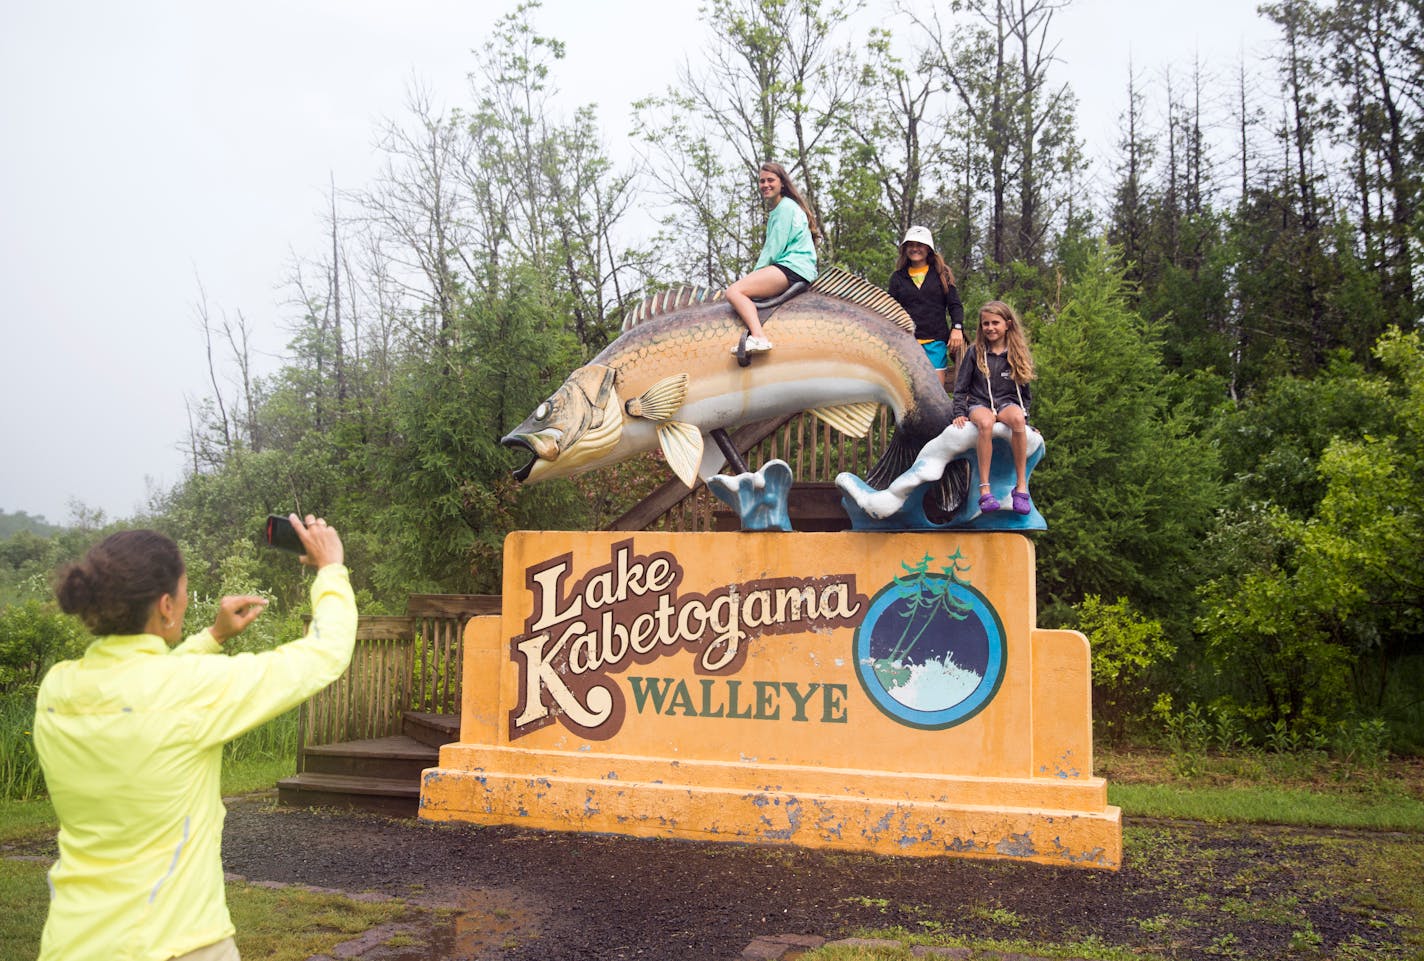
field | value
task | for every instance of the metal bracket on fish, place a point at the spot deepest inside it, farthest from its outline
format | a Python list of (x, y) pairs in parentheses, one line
[(767, 304), (900, 506), (743, 358)]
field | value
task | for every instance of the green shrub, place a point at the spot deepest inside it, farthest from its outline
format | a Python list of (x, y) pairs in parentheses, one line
[(1126, 650), (33, 636), (20, 778)]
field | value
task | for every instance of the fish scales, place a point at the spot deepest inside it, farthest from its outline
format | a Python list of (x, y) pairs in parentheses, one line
[(812, 334), (829, 353)]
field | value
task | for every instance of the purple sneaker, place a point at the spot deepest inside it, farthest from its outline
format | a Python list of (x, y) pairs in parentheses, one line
[(987, 503), (1022, 503)]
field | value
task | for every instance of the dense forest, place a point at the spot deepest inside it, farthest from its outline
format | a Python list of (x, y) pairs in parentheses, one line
[(1228, 336)]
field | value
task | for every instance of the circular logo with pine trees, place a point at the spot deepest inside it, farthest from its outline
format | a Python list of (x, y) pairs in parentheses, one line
[(930, 652)]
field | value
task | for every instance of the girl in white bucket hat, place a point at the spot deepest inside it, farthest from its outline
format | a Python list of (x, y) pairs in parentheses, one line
[(924, 285)]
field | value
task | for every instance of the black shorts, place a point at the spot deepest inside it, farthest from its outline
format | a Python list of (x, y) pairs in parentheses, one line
[(792, 277)]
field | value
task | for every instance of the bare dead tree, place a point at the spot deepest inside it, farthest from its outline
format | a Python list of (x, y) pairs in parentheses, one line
[(238, 337), (892, 119), (415, 207), (205, 322)]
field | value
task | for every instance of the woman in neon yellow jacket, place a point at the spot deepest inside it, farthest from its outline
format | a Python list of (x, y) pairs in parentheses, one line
[(130, 738)]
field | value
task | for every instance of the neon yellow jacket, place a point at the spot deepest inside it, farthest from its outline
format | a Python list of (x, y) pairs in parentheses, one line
[(130, 738)]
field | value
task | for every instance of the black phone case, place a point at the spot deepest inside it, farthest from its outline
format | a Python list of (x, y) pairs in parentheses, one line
[(281, 535)]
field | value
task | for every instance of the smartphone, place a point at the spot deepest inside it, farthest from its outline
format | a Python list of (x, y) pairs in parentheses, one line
[(280, 534)]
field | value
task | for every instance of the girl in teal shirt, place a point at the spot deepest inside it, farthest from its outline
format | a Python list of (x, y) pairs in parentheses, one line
[(787, 256)]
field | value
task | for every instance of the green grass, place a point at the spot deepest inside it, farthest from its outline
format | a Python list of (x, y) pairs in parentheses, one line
[(1306, 789), (257, 760), (1269, 804), (19, 769), (26, 819), (25, 895), (256, 773), (286, 924), (1216, 901), (283, 924), (275, 739)]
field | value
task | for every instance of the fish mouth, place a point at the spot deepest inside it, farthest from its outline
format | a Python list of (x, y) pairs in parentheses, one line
[(542, 445)]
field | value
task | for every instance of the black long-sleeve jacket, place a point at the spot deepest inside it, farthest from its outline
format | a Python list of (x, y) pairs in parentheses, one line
[(971, 390), (928, 304)]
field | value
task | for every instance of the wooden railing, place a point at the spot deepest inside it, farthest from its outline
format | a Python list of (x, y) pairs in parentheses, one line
[(439, 626), (401, 663)]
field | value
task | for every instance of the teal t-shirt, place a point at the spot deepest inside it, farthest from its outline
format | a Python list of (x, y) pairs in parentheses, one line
[(788, 240)]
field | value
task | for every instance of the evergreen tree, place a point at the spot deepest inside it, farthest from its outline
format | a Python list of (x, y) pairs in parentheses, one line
[(1126, 489), (446, 498)]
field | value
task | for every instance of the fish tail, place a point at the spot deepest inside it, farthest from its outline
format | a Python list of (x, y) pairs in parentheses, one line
[(948, 496), (944, 498), (899, 456)]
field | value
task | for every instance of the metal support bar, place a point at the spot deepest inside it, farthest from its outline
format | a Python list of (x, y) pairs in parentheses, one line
[(729, 450)]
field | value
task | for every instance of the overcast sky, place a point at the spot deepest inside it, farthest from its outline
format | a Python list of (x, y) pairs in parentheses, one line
[(153, 145)]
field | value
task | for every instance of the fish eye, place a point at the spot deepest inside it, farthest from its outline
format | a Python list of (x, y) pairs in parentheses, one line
[(542, 411)]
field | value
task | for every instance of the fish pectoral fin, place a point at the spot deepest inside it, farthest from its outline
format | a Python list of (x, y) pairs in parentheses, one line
[(682, 448), (660, 401), (853, 420)]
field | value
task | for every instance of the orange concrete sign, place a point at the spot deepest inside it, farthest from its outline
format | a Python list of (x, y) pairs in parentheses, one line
[(864, 691)]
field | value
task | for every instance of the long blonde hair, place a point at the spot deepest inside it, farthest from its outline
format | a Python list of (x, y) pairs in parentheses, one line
[(1015, 338), (788, 189)]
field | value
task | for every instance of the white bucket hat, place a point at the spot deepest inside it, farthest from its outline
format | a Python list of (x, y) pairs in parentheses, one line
[(918, 235)]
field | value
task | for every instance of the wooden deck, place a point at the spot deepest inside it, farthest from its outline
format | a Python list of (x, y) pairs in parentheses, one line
[(380, 773), (363, 741)]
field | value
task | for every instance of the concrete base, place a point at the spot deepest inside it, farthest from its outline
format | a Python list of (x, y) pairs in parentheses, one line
[(1065, 822)]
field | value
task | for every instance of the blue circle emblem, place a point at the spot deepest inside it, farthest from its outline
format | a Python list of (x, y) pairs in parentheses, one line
[(930, 651)]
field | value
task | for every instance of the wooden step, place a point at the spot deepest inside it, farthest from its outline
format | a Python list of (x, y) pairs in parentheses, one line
[(398, 796), (431, 729), (395, 757)]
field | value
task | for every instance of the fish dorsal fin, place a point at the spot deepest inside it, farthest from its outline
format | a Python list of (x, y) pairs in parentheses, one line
[(839, 282), (665, 301), (660, 401), (682, 448), (853, 420)]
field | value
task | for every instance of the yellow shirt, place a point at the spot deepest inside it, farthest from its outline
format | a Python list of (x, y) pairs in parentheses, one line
[(130, 738)]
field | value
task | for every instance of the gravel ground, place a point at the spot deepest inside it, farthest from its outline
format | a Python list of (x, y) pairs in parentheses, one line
[(1187, 890)]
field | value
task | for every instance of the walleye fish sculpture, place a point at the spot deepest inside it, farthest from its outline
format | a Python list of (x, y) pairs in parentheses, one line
[(843, 348)]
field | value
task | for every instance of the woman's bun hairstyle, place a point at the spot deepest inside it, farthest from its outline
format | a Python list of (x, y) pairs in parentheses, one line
[(117, 583)]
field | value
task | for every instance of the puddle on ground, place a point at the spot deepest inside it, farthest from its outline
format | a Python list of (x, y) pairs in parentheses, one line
[(488, 922)]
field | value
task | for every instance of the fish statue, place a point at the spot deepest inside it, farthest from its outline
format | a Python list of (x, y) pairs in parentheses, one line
[(843, 348)]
